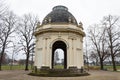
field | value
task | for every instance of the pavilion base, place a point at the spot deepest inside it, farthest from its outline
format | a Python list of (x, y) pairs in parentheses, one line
[(71, 72)]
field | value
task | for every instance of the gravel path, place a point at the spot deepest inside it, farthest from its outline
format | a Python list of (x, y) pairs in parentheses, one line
[(22, 75)]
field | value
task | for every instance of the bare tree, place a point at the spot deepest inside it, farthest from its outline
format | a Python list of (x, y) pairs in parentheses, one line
[(98, 38), (111, 23), (27, 26), (94, 58), (86, 53), (56, 57), (15, 50), (7, 27), (106, 41)]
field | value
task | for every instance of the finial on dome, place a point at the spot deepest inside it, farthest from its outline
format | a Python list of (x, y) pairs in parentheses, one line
[(80, 25), (70, 19), (38, 24), (49, 19)]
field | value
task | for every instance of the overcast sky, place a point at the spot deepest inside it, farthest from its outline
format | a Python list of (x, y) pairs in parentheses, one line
[(86, 11)]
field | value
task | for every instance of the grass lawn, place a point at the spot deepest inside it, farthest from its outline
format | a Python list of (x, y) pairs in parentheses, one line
[(105, 67), (111, 67), (14, 67), (22, 67), (58, 67)]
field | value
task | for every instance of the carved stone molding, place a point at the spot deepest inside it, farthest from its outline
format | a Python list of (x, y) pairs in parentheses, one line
[(78, 49), (46, 36), (73, 37)]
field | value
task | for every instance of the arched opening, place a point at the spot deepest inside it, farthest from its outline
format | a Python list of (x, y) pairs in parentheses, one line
[(59, 55)]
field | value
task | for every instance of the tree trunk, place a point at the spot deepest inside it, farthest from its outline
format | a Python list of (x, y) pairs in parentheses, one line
[(1, 57), (113, 62), (27, 62), (112, 56), (101, 64)]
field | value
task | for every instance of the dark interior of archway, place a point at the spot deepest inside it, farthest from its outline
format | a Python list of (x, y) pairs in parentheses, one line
[(62, 45)]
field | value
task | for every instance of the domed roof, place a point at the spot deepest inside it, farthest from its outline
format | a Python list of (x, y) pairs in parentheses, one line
[(59, 14)]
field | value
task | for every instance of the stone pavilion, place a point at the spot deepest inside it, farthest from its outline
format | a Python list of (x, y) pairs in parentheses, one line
[(59, 29)]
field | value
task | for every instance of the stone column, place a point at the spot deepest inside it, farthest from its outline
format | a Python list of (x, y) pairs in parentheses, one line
[(45, 52), (72, 51)]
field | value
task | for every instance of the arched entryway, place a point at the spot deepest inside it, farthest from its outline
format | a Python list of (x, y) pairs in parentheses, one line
[(59, 45)]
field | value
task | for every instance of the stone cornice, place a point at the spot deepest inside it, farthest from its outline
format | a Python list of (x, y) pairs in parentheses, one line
[(65, 29)]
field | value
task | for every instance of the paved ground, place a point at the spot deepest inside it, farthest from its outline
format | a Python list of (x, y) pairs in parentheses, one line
[(95, 75)]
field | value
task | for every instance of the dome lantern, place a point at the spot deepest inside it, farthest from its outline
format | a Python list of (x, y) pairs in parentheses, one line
[(60, 8)]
